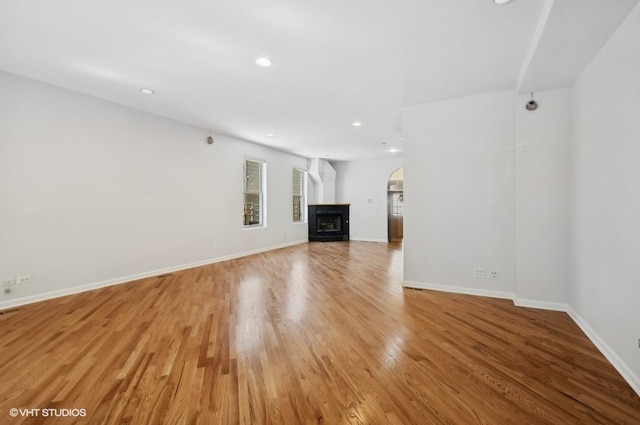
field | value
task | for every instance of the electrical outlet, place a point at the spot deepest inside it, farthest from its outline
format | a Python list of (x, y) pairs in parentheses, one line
[(480, 273), (494, 274), (7, 290), (21, 280), (9, 282)]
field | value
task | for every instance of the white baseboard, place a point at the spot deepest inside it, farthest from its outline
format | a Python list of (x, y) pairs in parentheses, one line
[(17, 302), (368, 240), (457, 289), (542, 305), (632, 379)]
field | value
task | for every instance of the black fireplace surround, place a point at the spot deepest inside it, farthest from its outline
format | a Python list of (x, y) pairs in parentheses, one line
[(328, 222)]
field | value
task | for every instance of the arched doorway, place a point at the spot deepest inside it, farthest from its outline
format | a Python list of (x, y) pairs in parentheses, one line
[(395, 205)]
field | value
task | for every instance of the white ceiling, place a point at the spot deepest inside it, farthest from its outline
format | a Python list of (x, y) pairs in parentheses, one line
[(334, 61)]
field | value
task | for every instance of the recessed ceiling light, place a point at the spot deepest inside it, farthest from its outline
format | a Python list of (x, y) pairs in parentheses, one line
[(146, 91), (265, 62), (357, 124), (501, 1), (393, 150), (271, 135)]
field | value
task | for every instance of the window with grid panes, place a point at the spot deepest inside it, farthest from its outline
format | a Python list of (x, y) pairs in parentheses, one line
[(253, 193), (299, 201)]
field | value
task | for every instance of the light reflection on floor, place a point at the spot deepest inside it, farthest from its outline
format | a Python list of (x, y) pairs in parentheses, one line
[(249, 303), (297, 292)]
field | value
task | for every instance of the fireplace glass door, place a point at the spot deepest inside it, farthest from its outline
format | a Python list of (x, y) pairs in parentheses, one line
[(329, 222)]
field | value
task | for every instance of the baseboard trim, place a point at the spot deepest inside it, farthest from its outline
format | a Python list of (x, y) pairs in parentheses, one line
[(632, 379), (542, 305), (457, 289), (137, 276), (369, 240)]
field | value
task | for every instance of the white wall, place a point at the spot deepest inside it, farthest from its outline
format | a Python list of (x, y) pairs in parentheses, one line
[(356, 183), (323, 177), (93, 193), (328, 176), (459, 194), (567, 235), (542, 200), (605, 290)]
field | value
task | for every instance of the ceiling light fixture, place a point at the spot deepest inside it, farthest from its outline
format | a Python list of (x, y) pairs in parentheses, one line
[(501, 1), (357, 124), (264, 62), (146, 91), (271, 135)]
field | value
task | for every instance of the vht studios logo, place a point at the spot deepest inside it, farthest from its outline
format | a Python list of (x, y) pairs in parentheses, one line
[(74, 413)]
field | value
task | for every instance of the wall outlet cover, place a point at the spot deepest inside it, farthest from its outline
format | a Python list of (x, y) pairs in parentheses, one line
[(8, 282), (21, 280)]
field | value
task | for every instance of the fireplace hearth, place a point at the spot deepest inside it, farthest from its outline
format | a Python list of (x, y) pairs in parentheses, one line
[(328, 222)]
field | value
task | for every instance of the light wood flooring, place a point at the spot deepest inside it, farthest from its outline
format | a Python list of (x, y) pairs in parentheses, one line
[(319, 333)]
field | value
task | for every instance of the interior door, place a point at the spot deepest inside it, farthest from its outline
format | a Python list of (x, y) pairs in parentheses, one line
[(395, 216)]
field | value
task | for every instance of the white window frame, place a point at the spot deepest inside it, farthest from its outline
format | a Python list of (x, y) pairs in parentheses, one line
[(250, 192), (303, 196)]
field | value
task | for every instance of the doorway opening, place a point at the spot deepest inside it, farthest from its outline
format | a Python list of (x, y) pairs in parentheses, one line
[(395, 205)]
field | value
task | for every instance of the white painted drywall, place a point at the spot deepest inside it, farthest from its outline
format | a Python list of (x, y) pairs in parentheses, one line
[(542, 200), (323, 176), (605, 290), (459, 194), (93, 193), (357, 182)]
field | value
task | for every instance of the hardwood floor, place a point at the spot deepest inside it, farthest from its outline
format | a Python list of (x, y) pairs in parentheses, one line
[(319, 333)]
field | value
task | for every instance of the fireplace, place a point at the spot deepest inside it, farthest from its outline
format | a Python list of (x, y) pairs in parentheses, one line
[(328, 222)]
